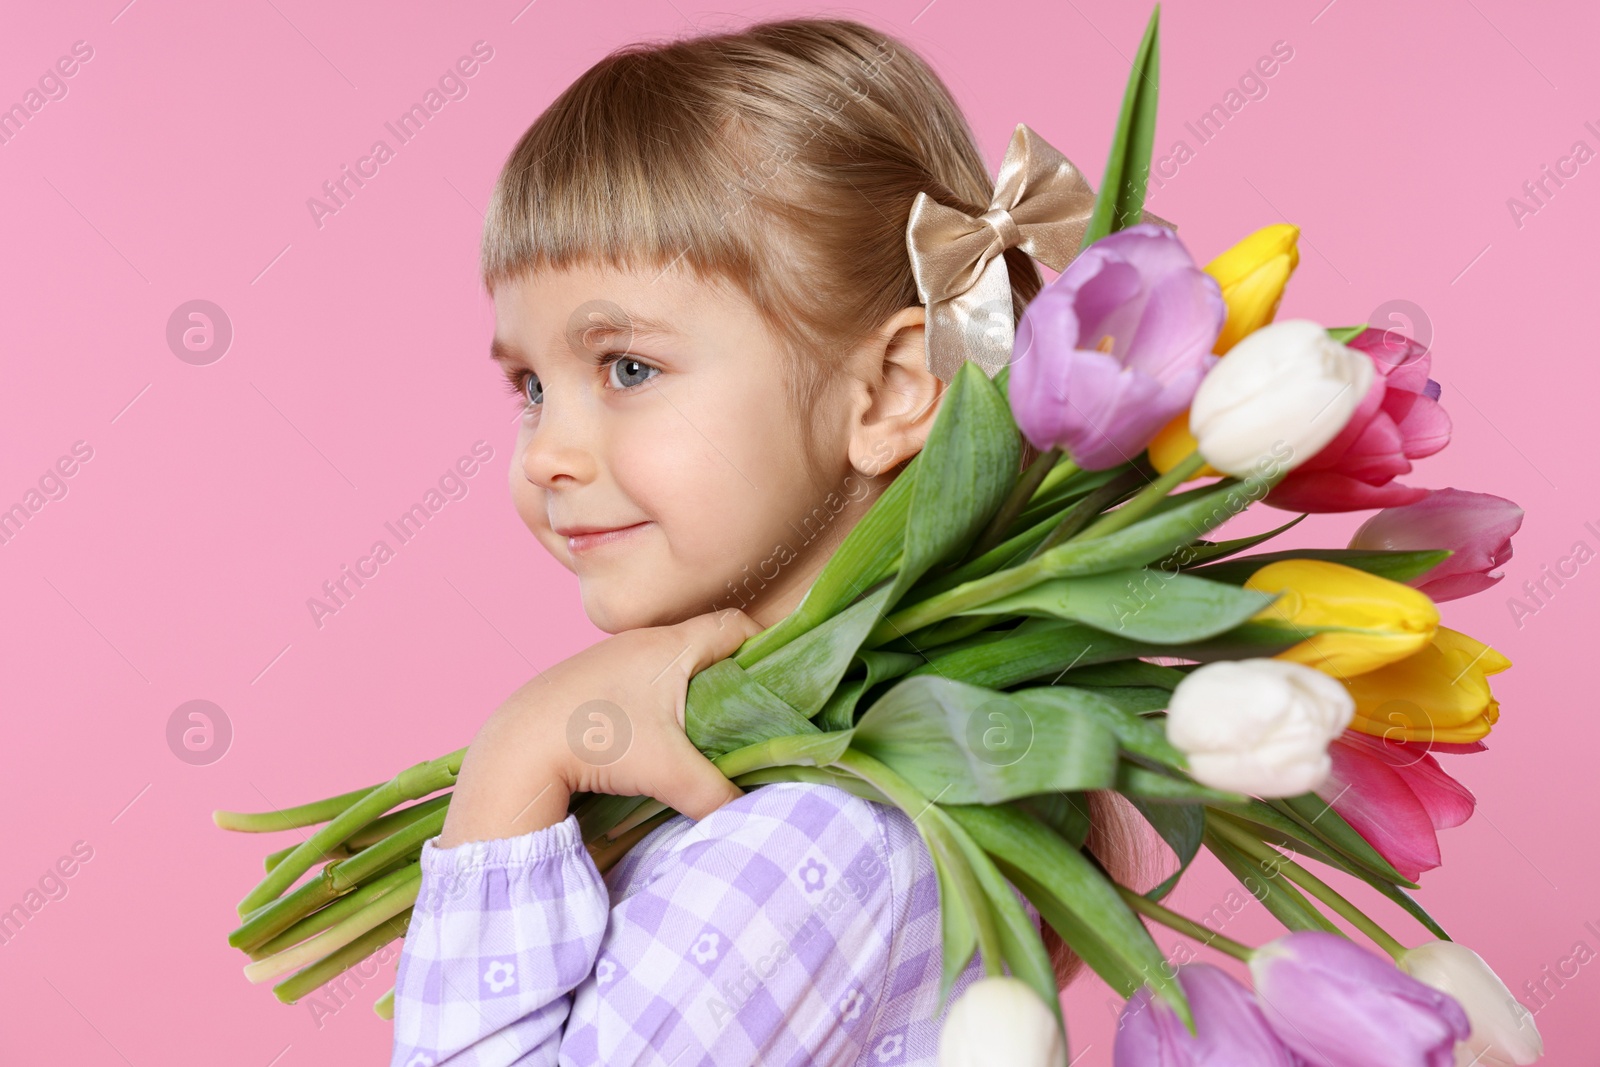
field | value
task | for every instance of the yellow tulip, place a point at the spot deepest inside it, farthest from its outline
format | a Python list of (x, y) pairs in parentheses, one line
[(1374, 621), (1172, 444), (1439, 694), (1252, 275)]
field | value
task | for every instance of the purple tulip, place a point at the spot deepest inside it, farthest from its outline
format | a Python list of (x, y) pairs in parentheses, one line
[(1476, 527), (1337, 1005), (1115, 347), (1230, 1030)]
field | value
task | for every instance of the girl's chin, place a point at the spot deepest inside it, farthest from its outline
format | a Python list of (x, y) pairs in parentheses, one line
[(614, 611)]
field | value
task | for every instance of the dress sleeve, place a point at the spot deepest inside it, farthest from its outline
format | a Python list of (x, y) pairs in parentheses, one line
[(761, 934)]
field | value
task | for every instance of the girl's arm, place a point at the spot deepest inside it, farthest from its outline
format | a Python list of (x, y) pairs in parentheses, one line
[(760, 934)]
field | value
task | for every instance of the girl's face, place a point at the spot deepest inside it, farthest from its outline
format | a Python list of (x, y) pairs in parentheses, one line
[(659, 457)]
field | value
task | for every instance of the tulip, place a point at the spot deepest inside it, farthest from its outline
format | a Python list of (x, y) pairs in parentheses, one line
[(1258, 726), (1475, 527), (1230, 1030), (1337, 1005), (1379, 621), (1252, 275), (1115, 347), (1001, 1021), (1396, 796), (1503, 1031), (1398, 419), (1277, 398), (1440, 693)]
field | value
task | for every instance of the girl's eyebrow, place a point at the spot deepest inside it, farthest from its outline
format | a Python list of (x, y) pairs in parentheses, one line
[(598, 329)]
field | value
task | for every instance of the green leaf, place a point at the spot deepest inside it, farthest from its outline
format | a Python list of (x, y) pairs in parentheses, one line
[(1275, 892), (1079, 887), (1182, 827), (1065, 813), (1136, 781), (1150, 538), (1131, 672), (1135, 699), (1135, 734), (1120, 202), (1333, 833), (1036, 649), (1020, 944), (961, 744), (1396, 566), (1346, 334), (728, 709), (1191, 556), (805, 672), (965, 470), (840, 711), (1146, 605), (868, 554)]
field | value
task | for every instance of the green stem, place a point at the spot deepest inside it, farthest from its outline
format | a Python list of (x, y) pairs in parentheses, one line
[(1186, 926), (1260, 850), (1079, 514), (378, 910), (288, 818), (1148, 498), (302, 982), (1021, 493), (773, 752), (336, 912), (384, 1005), (937, 835), (409, 784), (335, 880)]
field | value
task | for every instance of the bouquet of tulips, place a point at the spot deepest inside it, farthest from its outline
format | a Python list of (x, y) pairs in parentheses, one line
[(996, 638)]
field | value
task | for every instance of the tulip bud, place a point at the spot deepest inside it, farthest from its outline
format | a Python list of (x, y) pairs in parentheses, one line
[(1374, 621), (1503, 1031), (1258, 726), (1252, 275), (1277, 397), (1333, 1002), (1001, 1022)]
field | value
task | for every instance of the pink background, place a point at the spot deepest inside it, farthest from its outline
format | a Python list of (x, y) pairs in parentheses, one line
[(219, 498)]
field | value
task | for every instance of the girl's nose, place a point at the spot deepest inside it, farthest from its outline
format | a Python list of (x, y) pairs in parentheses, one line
[(557, 454)]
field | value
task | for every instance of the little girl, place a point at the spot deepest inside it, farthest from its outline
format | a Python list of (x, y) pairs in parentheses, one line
[(702, 294)]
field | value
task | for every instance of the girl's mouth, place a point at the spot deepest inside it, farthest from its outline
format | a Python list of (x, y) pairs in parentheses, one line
[(582, 539)]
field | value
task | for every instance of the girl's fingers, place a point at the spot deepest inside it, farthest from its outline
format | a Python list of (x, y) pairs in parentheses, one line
[(697, 788), (715, 636)]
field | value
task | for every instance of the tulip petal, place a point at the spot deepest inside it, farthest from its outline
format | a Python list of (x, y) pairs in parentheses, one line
[(1326, 491), (1376, 801), (1335, 1003)]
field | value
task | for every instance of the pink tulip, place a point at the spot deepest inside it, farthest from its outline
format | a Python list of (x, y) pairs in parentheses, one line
[(1399, 420), (1396, 796), (1476, 527)]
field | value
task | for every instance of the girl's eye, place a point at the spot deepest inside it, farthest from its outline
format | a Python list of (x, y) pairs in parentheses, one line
[(627, 372), (525, 386), (533, 390)]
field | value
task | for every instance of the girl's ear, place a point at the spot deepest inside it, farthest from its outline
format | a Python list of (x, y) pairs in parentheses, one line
[(894, 394)]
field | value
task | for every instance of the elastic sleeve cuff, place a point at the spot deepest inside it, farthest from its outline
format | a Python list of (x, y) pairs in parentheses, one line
[(555, 841)]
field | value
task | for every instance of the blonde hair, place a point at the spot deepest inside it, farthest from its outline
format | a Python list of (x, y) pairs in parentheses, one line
[(783, 158)]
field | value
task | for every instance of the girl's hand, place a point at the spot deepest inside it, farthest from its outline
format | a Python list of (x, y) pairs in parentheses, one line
[(608, 720)]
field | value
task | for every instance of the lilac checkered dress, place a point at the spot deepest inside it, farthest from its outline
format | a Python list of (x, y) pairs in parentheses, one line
[(798, 924)]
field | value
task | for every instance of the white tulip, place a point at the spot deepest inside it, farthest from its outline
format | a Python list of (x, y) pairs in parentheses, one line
[(1001, 1022), (1276, 398), (1258, 726), (1503, 1032)]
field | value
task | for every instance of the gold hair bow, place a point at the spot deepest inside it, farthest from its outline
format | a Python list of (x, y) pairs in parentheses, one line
[(1042, 205)]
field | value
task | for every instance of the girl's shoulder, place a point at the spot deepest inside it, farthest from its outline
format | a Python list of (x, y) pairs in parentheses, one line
[(809, 829)]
